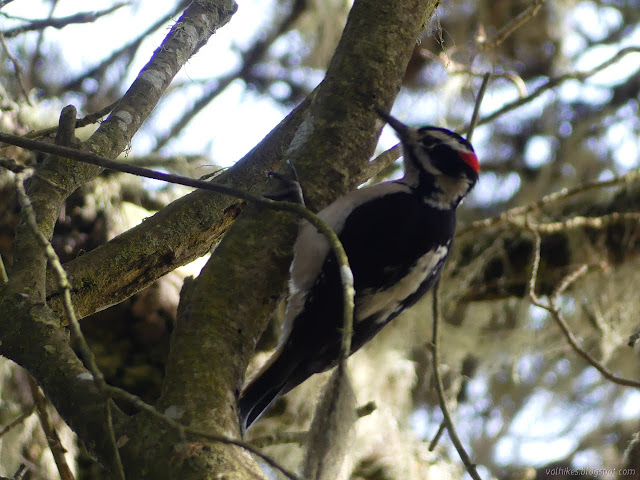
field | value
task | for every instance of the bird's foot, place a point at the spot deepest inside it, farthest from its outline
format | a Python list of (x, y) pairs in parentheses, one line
[(286, 189)]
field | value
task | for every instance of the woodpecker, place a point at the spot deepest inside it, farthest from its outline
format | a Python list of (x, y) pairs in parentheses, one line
[(397, 236)]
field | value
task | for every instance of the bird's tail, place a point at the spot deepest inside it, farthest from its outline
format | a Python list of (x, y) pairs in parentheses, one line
[(265, 389)]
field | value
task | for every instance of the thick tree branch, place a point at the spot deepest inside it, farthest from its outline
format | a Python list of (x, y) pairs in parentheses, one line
[(181, 232), (48, 355), (214, 336)]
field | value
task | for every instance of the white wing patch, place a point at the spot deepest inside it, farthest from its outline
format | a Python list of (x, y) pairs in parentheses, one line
[(384, 303), (311, 247)]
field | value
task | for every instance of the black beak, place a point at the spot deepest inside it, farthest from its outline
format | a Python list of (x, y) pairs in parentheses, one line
[(401, 129)]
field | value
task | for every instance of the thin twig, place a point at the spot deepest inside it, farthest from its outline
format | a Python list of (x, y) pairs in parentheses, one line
[(14, 423), (65, 286), (280, 438), (512, 26), (128, 49), (556, 314), (300, 210), (108, 417), (249, 58), (17, 67), (453, 434), (382, 161), (140, 404), (59, 23), (554, 82), (458, 68), (437, 436), (564, 194), (476, 108), (81, 122), (20, 473), (113, 392), (577, 222), (4, 278), (50, 433), (36, 57), (436, 318)]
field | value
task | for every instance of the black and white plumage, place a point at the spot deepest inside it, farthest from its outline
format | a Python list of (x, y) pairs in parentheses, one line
[(397, 236)]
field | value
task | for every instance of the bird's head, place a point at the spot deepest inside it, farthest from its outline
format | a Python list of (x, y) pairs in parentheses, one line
[(438, 162)]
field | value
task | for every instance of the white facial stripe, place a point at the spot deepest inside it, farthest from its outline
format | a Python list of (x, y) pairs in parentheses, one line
[(449, 140), (451, 190)]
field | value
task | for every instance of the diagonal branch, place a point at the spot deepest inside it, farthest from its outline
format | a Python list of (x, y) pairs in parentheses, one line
[(553, 309), (62, 376), (127, 51), (249, 59), (554, 82), (50, 433), (82, 17), (530, 12), (181, 232), (77, 336), (17, 66), (447, 422), (550, 199)]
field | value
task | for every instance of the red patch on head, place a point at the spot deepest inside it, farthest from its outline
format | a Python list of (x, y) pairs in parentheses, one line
[(471, 160)]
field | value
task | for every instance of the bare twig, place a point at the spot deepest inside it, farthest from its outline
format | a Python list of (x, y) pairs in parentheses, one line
[(382, 161), (81, 122), (447, 422), (3, 272), (37, 51), (476, 108), (50, 433), (126, 50), (140, 404), (437, 436), (82, 17), (249, 58), (17, 67), (113, 392), (20, 473), (26, 414), (108, 417), (577, 222), (65, 286), (453, 434), (560, 195), (512, 26), (457, 68), (556, 314), (554, 82), (280, 438)]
